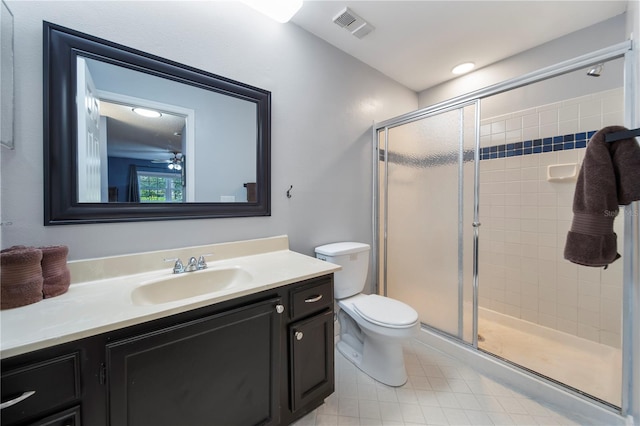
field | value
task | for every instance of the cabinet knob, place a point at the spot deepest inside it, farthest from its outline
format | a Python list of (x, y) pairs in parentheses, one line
[(299, 335), (279, 309)]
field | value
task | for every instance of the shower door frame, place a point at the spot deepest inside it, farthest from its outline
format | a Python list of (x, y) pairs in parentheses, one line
[(459, 106), (630, 393)]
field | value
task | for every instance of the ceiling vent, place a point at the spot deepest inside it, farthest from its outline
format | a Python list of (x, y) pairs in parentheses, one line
[(351, 22)]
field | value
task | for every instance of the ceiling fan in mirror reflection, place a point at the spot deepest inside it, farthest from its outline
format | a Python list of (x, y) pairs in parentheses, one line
[(173, 163)]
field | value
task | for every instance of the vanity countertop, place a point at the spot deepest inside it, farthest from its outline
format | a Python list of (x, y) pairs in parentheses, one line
[(99, 298)]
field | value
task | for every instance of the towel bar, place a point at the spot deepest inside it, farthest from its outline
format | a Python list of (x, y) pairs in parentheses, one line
[(624, 134)]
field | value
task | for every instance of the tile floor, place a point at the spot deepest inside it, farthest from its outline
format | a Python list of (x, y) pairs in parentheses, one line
[(441, 391)]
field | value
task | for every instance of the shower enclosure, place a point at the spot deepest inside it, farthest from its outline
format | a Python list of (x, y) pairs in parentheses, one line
[(427, 162), (473, 199)]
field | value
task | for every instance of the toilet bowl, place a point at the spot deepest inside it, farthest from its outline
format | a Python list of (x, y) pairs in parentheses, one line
[(372, 327)]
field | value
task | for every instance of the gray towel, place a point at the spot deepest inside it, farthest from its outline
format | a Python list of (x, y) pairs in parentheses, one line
[(609, 177)]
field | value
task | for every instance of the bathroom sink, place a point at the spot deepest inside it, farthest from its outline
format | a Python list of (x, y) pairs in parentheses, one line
[(189, 284)]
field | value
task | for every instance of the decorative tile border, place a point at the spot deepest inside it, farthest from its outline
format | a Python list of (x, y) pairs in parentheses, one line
[(537, 146)]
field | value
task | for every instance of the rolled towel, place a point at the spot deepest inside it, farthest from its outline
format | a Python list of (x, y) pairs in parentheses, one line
[(54, 260), (609, 177), (56, 285), (55, 271), (20, 276)]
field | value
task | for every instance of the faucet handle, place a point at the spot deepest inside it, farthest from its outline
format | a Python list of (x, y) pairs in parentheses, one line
[(178, 267), (202, 264)]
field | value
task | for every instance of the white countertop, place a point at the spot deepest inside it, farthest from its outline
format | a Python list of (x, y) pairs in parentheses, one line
[(96, 305)]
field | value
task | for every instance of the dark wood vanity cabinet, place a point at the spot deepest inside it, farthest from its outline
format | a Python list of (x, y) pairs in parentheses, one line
[(265, 358), (217, 370)]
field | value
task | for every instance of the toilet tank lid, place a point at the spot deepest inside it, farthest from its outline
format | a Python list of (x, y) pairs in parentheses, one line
[(337, 249)]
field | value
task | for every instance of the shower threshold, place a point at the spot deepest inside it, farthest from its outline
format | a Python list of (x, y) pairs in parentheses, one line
[(590, 368)]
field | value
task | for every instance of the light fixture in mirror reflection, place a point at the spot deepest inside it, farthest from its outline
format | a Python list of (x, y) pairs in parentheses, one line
[(150, 113), (204, 153), (135, 125)]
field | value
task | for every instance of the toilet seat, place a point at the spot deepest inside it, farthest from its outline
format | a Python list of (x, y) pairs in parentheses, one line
[(385, 312)]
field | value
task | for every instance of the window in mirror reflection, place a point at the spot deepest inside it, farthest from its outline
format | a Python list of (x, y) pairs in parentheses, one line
[(115, 145), (159, 187)]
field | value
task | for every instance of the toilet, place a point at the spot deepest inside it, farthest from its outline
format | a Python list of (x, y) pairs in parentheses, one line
[(372, 327)]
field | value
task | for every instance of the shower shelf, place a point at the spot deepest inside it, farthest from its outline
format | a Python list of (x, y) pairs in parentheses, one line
[(562, 172)]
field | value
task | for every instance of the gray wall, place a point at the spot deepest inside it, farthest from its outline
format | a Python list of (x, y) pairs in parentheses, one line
[(324, 103)]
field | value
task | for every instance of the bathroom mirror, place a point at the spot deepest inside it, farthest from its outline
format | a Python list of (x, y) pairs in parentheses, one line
[(129, 136), (6, 76)]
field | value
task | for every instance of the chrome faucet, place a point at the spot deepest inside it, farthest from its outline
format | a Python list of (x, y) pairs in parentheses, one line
[(192, 265)]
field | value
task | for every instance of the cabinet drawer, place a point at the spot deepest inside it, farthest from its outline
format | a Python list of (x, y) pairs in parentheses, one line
[(70, 417), (311, 298), (53, 382)]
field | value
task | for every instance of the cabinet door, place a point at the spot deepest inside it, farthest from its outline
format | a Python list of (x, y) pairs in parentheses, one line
[(312, 359), (218, 370)]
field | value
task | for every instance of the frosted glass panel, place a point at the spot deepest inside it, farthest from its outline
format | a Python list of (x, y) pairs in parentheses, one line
[(422, 243)]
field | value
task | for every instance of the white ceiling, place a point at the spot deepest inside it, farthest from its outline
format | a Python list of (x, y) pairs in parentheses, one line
[(417, 43)]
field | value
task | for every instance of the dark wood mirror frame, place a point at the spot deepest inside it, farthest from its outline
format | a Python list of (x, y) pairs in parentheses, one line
[(61, 46)]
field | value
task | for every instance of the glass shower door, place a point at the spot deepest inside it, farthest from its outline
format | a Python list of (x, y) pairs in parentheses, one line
[(426, 172)]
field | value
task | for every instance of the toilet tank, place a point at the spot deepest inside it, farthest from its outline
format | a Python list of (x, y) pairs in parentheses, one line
[(354, 259)]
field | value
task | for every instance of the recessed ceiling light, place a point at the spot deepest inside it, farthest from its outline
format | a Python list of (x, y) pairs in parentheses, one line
[(147, 112), (278, 10), (463, 68)]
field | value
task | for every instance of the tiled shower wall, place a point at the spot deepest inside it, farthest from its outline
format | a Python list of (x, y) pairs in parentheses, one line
[(525, 219)]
